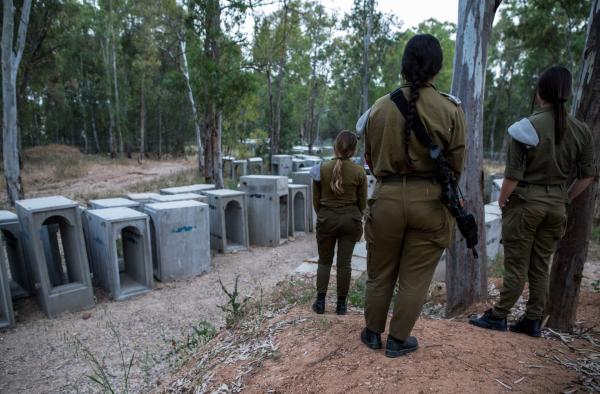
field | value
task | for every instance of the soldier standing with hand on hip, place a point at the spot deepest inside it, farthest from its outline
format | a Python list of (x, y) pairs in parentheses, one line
[(339, 198), (407, 226), (545, 148)]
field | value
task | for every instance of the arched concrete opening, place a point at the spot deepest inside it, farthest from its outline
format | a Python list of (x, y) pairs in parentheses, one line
[(61, 251), (299, 213), (283, 218), (130, 254), (234, 224), (17, 272)]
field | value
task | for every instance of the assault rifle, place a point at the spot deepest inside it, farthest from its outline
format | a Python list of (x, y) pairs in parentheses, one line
[(451, 196)]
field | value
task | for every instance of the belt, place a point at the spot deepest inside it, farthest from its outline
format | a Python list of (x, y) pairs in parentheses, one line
[(527, 184), (403, 177)]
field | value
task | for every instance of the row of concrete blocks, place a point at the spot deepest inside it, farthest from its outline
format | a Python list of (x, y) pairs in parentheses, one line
[(235, 169), (51, 228)]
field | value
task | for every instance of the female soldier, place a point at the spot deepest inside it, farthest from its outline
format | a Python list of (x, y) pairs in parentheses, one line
[(545, 148), (339, 198), (407, 227)]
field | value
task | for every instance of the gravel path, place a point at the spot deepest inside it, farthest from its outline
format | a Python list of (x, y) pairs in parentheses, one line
[(40, 355)]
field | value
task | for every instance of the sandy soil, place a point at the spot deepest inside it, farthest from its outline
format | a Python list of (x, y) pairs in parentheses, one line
[(59, 169), (323, 354), (40, 355)]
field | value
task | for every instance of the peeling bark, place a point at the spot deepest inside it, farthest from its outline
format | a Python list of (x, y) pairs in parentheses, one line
[(11, 58), (466, 277)]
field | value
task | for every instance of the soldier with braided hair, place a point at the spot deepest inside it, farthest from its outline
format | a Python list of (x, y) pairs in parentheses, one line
[(407, 226)]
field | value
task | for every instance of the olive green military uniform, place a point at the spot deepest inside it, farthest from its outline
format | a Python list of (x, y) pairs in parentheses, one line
[(339, 220), (407, 227), (536, 215)]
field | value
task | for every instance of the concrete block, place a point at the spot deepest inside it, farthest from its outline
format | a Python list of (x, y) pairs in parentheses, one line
[(496, 186), (281, 165), (142, 198), (493, 231), (297, 164), (114, 203), (180, 197), (54, 247), (197, 189), (268, 208), (227, 163), (304, 178), (120, 251), (7, 315), (371, 184), (228, 220), (240, 168), (20, 276), (298, 218), (180, 235), (255, 166)]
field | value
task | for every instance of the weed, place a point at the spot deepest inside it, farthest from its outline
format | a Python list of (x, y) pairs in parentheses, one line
[(356, 294), (100, 374), (234, 308), (496, 270), (596, 285), (294, 291), (200, 334)]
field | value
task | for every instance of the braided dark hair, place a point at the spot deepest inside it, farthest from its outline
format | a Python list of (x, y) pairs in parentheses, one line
[(421, 61), (554, 87)]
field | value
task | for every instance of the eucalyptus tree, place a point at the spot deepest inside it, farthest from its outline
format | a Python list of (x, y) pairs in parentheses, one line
[(12, 52)]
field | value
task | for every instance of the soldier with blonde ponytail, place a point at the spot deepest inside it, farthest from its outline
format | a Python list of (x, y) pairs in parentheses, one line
[(339, 198)]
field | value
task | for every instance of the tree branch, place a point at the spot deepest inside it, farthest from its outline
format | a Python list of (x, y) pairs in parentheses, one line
[(22, 34)]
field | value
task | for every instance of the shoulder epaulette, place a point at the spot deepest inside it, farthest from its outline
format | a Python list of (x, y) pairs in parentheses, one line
[(452, 98)]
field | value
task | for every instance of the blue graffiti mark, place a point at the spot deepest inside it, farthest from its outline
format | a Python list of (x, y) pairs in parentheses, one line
[(183, 229), (99, 241)]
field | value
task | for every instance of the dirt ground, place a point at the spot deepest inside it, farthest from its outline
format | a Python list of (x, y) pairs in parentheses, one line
[(323, 354), (59, 169), (41, 356)]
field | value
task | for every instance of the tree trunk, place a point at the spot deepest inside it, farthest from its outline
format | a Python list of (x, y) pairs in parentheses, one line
[(276, 134), (213, 170), (466, 277), (11, 58), (94, 129), (368, 9), (186, 74), (159, 130), (569, 259), (142, 123), (113, 59), (111, 116), (271, 113)]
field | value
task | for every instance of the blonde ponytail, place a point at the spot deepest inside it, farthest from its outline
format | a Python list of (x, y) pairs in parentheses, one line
[(336, 178), (344, 147)]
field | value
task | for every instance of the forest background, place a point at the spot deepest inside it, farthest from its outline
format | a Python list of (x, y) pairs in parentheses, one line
[(156, 78)]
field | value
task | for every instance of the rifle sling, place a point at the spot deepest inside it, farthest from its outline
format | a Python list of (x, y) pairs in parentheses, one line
[(418, 127)]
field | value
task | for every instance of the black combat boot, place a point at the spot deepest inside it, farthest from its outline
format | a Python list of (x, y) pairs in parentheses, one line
[(533, 328), (396, 348), (370, 338), (489, 321), (341, 308), (319, 305)]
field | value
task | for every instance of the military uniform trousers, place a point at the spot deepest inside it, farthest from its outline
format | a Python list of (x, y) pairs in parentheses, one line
[(532, 223), (343, 226), (406, 230)]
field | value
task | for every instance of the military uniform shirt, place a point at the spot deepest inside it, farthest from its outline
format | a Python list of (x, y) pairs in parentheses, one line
[(354, 182), (549, 163), (384, 137)]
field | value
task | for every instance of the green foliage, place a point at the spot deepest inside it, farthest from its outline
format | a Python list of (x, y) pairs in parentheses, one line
[(596, 285), (181, 350), (235, 309), (89, 66), (356, 294)]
